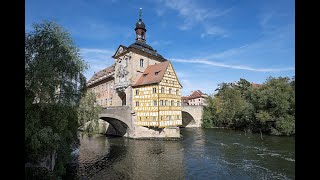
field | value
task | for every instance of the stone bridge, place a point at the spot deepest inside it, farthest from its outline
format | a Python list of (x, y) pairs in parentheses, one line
[(121, 122), (192, 116), (119, 117)]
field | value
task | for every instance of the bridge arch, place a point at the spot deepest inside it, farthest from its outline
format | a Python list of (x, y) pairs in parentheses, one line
[(192, 116), (116, 127), (187, 120), (119, 120)]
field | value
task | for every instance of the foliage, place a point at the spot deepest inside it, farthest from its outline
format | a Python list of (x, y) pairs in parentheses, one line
[(54, 84), (88, 112), (269, 107), (209, 112)]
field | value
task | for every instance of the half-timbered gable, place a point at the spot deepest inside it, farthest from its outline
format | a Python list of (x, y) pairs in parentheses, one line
[(157, 97)]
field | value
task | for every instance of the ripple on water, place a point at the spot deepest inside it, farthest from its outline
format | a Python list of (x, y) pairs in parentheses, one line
[(202, 154)]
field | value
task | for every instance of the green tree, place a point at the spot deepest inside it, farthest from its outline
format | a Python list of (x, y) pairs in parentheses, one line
[(268, 108), (209, 112), (243, 86), (54, 84), (88, 112), (276, 97), (232, 108)]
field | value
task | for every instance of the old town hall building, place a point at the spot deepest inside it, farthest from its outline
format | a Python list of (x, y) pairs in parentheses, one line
[(143, 80)]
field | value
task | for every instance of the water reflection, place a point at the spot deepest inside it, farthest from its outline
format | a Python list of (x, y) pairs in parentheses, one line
[(202, 154), (121, 158)]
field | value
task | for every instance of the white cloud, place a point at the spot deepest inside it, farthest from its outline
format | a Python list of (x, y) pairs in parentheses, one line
[(276, 42), (97, 59), (241, 67), (214, 31), (192, 14), (229, 53), (265, 19), (96, 51)]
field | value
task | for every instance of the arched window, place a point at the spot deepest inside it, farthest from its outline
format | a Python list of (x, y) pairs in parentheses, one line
[(141, 62), (162, 90)]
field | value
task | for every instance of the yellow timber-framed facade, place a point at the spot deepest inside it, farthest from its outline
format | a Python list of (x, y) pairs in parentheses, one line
[(159, 104)]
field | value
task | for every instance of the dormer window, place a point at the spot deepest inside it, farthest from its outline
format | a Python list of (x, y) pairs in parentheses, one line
[(141, 62), (144, 75), (156, 73)]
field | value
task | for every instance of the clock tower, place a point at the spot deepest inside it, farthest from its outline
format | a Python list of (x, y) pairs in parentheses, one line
[(140, 29)]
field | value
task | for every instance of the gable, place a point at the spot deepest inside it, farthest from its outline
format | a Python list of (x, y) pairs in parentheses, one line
[(120, 50), (170, 77)]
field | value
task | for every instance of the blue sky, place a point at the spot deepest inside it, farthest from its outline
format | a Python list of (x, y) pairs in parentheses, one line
[(208, 42)]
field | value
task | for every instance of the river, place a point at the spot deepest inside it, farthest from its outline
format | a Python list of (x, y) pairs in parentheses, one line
[(202, 154)]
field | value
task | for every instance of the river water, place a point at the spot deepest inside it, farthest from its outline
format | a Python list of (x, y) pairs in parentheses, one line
[(202, 154)]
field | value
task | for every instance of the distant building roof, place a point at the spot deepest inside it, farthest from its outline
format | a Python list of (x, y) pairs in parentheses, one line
[(194, 94), (153, 74), (105, 73), (184, 97)]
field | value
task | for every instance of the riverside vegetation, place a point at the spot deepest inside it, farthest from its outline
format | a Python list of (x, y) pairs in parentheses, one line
[(56, 100), (267, 108), (54, 85)]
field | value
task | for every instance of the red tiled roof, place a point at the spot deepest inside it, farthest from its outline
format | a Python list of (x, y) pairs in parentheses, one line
[(153, 74), (101, 73), (196, 94), (193, 95), (184, 97)]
